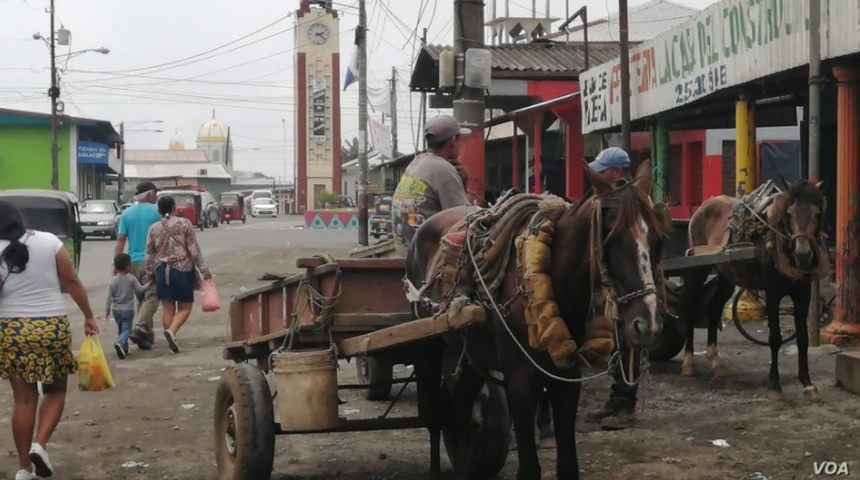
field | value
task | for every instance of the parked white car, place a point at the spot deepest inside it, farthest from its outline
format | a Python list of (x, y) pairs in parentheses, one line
[(264, 206)]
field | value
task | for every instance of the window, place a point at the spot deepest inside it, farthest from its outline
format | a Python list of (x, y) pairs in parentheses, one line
[(93, 206)]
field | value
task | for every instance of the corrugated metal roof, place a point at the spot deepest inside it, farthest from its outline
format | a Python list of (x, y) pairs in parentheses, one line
[(645, 22), (550, 57), (165, 156), (186, 170)]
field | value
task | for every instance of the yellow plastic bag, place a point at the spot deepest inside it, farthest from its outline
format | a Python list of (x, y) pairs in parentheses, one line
[(93, 373)]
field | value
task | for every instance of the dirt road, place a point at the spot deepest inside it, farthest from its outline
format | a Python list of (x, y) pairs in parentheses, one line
[(158, 421)]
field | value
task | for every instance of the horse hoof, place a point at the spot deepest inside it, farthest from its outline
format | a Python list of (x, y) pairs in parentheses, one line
[(774, 394), (720, 371), (811, 393), (687, 371)]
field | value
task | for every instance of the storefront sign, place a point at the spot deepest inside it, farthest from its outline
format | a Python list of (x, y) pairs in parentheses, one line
[(730, 43), (92, 152), (319, 107)]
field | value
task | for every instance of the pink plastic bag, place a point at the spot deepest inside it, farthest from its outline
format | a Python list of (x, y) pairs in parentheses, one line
[(211, 302)]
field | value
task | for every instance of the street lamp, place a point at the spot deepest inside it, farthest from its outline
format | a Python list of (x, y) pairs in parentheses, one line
[(60, 36)]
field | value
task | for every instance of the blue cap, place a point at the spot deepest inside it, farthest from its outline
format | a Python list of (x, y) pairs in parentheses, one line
[(612, 157)]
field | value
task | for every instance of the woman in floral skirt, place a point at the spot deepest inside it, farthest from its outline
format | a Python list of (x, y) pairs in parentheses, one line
[(35, 338)]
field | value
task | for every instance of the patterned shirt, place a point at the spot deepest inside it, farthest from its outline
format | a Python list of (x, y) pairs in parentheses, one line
[(172, 242)]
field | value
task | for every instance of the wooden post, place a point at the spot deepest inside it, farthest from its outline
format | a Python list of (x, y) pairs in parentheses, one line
[(845, 329), (661, 186), (515, 153), (538, 121)]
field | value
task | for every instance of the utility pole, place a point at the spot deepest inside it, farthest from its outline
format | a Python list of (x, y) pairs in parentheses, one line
[(54, 93), (814, 144), (625, 76), (423, 108), (469, 101), (227, 149), (393, 103), (121, 179), (361, 39)]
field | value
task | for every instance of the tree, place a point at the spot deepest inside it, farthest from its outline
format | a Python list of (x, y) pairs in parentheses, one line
[(349, 150)]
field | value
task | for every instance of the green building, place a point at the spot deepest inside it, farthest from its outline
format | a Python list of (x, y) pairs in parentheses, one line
[(87, 159)]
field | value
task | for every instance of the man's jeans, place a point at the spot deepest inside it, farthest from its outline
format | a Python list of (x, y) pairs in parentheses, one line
[(149, 305)]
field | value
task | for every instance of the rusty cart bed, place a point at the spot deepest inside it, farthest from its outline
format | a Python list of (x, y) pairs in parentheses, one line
[(371, 320)]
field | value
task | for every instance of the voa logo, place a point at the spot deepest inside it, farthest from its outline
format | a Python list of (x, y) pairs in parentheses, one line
[(830, 468)]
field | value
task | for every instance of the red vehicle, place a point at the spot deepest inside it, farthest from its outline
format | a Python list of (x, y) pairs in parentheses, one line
[(189, 204), (232, 206)]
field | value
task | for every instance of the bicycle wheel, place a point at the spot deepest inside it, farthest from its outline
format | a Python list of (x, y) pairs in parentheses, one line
[(748, 335)]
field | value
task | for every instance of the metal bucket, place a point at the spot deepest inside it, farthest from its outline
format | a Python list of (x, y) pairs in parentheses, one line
[(307, 389)]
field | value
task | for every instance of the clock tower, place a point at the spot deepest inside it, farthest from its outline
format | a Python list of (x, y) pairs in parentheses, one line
[(317, 118)]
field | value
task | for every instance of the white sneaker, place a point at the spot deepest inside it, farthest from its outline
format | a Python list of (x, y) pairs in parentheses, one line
[(25, 475), (40, 460), (171, 341)]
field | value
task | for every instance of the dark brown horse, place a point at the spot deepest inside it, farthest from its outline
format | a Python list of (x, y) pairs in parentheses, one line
[(621, 219), (794, 257)]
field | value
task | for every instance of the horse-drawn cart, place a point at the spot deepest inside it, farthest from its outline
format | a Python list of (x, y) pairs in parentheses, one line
[(297, 327)]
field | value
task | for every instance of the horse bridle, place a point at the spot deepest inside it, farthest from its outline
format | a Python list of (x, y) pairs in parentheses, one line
[(600, 204), (612, 299)]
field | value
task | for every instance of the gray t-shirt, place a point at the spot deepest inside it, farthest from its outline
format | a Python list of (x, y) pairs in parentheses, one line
[(429, 185), (121, 292)]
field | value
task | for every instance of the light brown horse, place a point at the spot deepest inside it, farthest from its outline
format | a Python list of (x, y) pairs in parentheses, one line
[(793, 228), (629, 232)]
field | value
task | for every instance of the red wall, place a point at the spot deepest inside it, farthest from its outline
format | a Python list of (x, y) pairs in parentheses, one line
[(570, 114), (701, 175)]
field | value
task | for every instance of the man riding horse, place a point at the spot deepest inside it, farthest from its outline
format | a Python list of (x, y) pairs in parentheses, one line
[(433, 181)]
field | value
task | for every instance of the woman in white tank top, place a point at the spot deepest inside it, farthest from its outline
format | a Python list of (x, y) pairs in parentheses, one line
[(35, 339)]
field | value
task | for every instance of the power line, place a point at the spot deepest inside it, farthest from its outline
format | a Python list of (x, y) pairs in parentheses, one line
[(207, 51)]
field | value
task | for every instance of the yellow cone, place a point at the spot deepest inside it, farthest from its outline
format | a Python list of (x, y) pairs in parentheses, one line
[(750, 309)]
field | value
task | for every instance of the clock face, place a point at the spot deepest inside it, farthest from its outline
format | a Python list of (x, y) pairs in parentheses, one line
[(318, 33)]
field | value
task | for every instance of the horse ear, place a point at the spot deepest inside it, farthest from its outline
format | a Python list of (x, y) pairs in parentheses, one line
[(600, 185), (776, 210), (644, 178), (820, 185), (785, 183)]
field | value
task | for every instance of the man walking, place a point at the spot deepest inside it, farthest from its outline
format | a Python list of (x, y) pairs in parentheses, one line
[(133, 229)]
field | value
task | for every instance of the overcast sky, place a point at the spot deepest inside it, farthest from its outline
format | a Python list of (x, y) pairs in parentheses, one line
[(148, 74)]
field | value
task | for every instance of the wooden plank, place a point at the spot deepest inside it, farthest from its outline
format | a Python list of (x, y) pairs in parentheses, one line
[(709, 259), (276, 277), (252, 341), (371, 319), (293, 280), (382, 263), (413, 331), (382, 248), (363, 425)]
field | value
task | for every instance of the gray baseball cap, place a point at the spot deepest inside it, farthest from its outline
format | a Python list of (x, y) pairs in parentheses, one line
[(443, 127)]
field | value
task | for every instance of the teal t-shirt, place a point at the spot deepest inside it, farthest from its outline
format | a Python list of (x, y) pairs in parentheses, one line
[(134, 224)]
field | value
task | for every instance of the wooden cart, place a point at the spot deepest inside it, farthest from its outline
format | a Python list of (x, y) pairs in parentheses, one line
[(371, 318)]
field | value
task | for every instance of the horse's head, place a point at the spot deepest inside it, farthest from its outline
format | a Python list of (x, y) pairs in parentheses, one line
[(799, 211), (627, 245)]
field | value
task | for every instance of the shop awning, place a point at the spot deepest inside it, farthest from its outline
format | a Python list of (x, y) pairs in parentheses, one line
[(538, 107)]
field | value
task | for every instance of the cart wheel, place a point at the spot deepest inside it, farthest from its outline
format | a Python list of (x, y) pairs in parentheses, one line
[(371, 370), (669, 343), (748, 335), (244, 424), (489, 437), (671, 340)]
